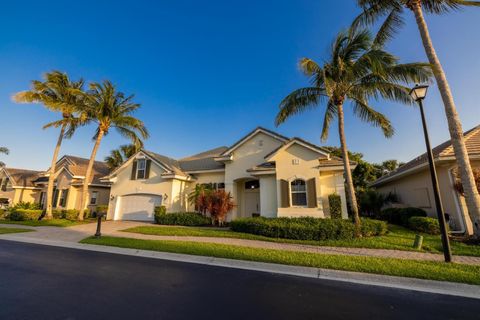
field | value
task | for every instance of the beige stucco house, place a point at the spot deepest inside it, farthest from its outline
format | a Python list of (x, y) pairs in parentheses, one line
[(266, 173), (412, 182), (31, 186)]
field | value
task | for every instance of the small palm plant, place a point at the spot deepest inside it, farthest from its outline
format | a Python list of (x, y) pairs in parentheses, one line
[(393, 11), (200, 197), (118, 156), (220, 203), (357, 70), (110, 109), (58, 93)]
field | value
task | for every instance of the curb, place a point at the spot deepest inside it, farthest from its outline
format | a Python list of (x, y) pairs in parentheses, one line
[(428, 286)]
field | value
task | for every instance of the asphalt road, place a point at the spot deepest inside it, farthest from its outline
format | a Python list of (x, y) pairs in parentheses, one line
[(43, 282)]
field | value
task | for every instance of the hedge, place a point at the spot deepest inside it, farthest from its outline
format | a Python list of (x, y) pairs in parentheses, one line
[(180, 218), (424, 224), (70, 214), (401, 216), (307, 228), (335, 204), (24, 214)]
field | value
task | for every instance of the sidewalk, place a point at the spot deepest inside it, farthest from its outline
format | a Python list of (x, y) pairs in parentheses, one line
[(113, 228)]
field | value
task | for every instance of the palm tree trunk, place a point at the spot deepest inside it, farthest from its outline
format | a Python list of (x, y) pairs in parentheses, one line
[(51, 177), (472, 197), (88, 175), (352, 199)]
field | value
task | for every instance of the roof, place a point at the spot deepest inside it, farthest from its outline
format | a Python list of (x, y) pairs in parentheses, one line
[(203, 161), (266, 166), (441, 152), (301, 141), (250, 134), (78, 167), (22, 177)]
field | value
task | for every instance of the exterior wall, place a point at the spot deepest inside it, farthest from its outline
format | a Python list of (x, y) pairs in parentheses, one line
[(268, 196), (25, 195), (154, 185), (333, 182), (251, 153), (306, 169), (9, 193), (416, 190)]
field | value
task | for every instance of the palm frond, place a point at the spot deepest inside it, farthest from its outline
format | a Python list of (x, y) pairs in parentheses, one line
[(375, 118), (298, 101)]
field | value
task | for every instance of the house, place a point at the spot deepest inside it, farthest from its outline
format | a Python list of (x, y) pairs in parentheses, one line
[(31, 186), (266, 173), (413, 187), (16, 185)]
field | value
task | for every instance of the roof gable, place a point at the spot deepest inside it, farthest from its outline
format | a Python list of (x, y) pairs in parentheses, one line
[(297, 141), (251, 135)]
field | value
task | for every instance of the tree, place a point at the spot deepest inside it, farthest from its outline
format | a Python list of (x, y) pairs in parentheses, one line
[(200, 197), (118, 156), (357, 70), (219, 204), (59, 94), (4, 151), (393, 11), (110, 109)]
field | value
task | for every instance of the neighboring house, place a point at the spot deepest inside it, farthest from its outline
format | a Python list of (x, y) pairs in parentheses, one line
[(412, 182), (16, 185), (69, 177), (31, 186), (267, 174)]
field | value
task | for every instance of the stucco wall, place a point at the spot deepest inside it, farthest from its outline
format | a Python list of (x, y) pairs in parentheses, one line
[(205, 177), (26, 195), (268, 196)]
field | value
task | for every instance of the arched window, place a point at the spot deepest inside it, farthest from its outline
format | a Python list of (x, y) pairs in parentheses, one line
[(298, 189)]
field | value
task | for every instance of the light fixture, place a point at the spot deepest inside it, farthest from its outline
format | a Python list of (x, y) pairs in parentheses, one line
[(418, 92)]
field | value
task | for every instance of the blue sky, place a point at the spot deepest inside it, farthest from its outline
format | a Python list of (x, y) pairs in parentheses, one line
[(207, 72)]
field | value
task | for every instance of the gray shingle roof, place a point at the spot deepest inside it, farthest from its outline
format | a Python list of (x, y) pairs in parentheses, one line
[(22, 177)]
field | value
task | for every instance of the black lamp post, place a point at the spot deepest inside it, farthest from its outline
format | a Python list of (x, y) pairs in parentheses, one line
[(418, 94)]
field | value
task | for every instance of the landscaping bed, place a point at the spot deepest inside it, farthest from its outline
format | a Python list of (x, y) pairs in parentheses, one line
[(13, 230), (394, 267)]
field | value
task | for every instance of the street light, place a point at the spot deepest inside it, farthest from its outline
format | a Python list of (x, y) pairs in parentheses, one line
[(418, 94)]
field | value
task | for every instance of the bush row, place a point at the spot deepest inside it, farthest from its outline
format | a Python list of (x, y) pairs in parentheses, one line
[(24, 214), (180, 218), (307, 228), (400, 216)]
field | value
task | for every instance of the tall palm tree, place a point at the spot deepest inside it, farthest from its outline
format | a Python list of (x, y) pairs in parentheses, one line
[(3, 150), (357, 70), (59, 94), (118, 156), (393, 11), (110, 109)]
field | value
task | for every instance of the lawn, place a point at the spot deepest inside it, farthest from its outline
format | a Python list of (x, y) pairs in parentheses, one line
[(47, 223), (13, 230), (405, 268), (398, 238)]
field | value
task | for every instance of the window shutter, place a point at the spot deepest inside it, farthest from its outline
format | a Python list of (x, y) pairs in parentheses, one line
[(147, 169), (311, 193), (65, 197), (134, 170), (55, 198), (285, 196)]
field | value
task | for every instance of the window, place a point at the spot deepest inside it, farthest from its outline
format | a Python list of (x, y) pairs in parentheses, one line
[(141, 165), (221, 185), (298, 189), (254, 184), (4, 184), (295, 161), (93, 198), (63, 198)]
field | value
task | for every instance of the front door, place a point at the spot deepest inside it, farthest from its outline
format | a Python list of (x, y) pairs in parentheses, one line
[(252, 203)]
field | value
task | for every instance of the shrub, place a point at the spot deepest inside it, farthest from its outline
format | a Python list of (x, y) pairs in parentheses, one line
[(70, 214), (3, 214), (160, 210), (181, 218), (26, 205), (335, 204), (307, 228), (401, 216), (24, 214), (102, 209), (424, 224)]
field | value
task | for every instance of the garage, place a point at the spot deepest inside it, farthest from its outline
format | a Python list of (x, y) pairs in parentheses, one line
[(137, 207)]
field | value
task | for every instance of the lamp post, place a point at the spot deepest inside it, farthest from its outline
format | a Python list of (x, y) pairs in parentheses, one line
[(418, 94)]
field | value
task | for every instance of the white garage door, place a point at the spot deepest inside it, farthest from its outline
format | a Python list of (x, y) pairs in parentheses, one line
[(138, 207)]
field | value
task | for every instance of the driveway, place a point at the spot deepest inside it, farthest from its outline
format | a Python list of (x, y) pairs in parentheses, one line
[(45, 282)]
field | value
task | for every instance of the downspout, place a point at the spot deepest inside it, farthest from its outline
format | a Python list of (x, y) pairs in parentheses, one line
[(460, 210)]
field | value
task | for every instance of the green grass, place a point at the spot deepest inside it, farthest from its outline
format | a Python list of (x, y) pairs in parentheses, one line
[(47, 223), (395, 267), (398, 238), (13, 230)]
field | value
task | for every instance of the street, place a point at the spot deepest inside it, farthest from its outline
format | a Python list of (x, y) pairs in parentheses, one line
[(45, 282)]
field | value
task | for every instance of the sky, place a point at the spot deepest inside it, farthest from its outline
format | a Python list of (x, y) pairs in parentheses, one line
[(208, 72)]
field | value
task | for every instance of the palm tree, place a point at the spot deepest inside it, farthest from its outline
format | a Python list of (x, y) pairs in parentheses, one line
[(357, 70), (59, 94), (4, 151), (118, 156), (110, 109), (393, 10)]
